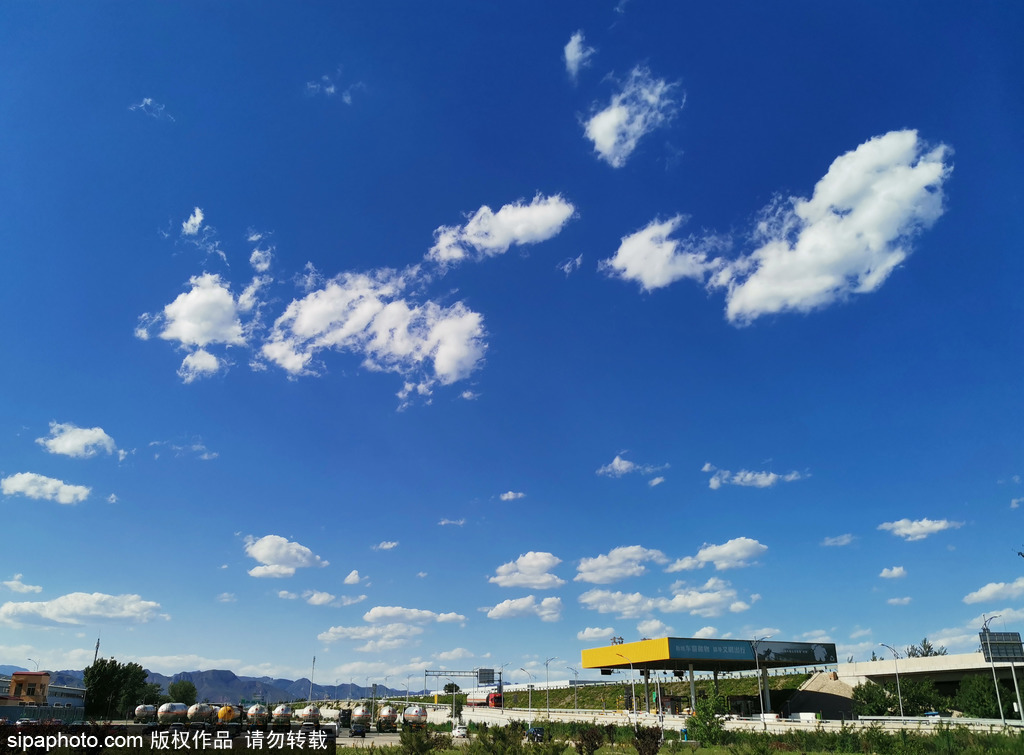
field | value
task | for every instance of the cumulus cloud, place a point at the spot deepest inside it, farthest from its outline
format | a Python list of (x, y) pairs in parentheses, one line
[(352, 578), (642, 104), (204, 315), (379, 614), (377, 637), (193, 224), (488, 233), (735, 553), (512, 496), (993, 591), (365, 313), (838, 540), (618, 467), (706, 633), (81, 608), (896, 572), (318, 597), (848, 237), (548, 609), (78, 442), (15, 584), (653, 628), (653, 259), (279, 557), (710, 599), (32, 485), (619, 563), (531, 571), (577, 55), (596, 634), (918, 529), (200, 363), (746, 478)]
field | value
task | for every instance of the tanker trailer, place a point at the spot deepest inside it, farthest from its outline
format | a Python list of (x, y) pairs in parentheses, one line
[(387, 719), (172, 713), (145, 714), (282, 715), (200, 713), (415, 718), (258, 715), (310, 714)]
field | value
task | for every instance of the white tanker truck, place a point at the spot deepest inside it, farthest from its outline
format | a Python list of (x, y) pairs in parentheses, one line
[(415, 718), (387, 719)]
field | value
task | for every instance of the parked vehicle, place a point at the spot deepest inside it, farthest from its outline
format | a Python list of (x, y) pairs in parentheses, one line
[(535, 734), (460, 730), (357, 730), (484, 698)]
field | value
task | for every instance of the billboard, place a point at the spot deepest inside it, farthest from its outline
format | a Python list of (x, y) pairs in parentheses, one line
[(790, 653), (1001, 647)]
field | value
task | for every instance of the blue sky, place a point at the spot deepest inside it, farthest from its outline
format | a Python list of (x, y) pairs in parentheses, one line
[(415, 336)]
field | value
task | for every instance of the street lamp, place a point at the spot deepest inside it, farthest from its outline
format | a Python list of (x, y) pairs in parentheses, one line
[(992, 660), (454, 687), (896, 667), (529, 696), (35, 662), (547, 685), (632, 684), (757, 667), (575, 688)]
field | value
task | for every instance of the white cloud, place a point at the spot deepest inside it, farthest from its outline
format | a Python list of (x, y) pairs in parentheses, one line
[(706, 633), (848, 237), (153, 110), (549, 609), (654, 260), (596, 634), (78, 442), (619, 467), (1016, 502), (279, 557), (655, 481), (653, 628), (318, 597), (81, 608), (379, 614), (746, 478), (364, 314), (733, 554), (710, 599), (895, 572), (570, 265), (993, 591), (577, 55), (456, 522), (347, 601), (286, 595), (386, 545), (383, 633), (32, 485), (512, 496), (204, 315), (838, 540), (352, 578), (191, 226), (488, 233), (918, 529), (17, 585), (619, 563), (531, 571), (643, 104), (456, 654), (260, 259), (199, 364), (227, 597), (898, 601)]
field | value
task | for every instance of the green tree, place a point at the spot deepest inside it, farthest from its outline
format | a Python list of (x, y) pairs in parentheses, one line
[(451, 688), (113, 688), (919, 696), (589, 739), (924, 650), (151, 694), (870, 699), (182, 691), (976, 697), (705, 725), (647, 740)]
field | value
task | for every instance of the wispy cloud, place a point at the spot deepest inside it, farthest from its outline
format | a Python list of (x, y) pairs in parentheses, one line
[(918, 529), (642, 104), (619, 467), (838, 540), (746, 478), (152, 109), (577, 55)]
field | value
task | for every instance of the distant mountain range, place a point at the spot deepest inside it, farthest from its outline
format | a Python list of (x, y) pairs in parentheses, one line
[(218, 686)]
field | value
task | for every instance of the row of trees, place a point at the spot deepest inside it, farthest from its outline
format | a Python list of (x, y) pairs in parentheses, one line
[(975, 698), (113, 687)]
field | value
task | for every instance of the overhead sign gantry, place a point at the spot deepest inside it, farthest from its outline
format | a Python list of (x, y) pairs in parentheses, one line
[(680, 655)]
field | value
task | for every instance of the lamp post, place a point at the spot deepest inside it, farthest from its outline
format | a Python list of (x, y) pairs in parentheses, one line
[(757, 667), (547, 685), (454, 687), (35, 662), (407, 678), (575, 688), (529, 697), (999, 700), (632, 684), (501, 682), (896, 667)]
